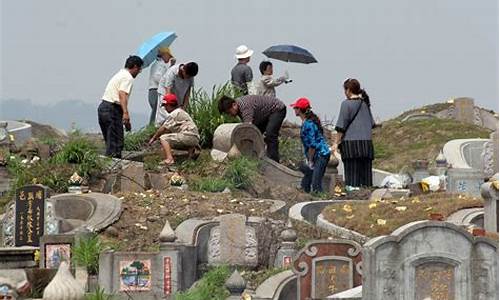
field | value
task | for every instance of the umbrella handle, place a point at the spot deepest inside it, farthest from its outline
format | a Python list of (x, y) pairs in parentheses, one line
[(288, 81)]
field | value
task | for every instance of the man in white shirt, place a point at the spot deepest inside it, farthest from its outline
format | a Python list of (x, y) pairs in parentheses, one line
[(178, 80), (113, 111), (159, 67)]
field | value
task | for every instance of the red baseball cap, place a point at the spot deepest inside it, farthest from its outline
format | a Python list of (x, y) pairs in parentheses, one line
[(301, 103), (169, 99)]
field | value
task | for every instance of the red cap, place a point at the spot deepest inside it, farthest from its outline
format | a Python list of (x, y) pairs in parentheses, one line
[(169, 99), (301, 103)]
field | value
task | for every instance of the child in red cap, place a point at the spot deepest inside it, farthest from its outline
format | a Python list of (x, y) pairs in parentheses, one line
[(178, 131), (316, 150)]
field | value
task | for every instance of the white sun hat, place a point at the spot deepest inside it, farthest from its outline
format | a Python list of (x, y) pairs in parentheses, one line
[(243, 52)]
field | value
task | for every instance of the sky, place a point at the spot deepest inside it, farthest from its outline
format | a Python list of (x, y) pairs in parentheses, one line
[(405, 53)]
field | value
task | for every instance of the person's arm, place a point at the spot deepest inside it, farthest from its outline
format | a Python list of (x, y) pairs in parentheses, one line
[(247, 114), (342, 122), (169, 81), (248, 75), (268, 81), (185, 104), (123, 93), (157, 134)]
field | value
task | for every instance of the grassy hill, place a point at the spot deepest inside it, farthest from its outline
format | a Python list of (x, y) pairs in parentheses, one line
[(397, 144)]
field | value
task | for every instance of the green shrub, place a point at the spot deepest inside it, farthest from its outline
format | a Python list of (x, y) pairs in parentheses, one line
[(209, 287), (99, 294), (240, 171), (135, 141), (82, 153), (212, 185), (203, 108), (55, 176), (86, 253)]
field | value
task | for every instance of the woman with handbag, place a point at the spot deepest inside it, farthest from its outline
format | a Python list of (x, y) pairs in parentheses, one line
[(354, 136)]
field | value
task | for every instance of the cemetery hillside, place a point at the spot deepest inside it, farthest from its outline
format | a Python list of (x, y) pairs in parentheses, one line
[(224, 221)]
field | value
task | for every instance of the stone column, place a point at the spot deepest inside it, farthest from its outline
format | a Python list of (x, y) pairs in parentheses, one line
[(236, 285), (287, 250), (494, 139), (170, 259), (490, 195), (421, 170), (332, 177), (464, 110)]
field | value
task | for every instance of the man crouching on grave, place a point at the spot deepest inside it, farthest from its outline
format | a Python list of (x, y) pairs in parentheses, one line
[(265, 112), (177, 132)]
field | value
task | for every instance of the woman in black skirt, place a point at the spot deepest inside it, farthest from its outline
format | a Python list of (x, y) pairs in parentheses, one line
[(354, 135)]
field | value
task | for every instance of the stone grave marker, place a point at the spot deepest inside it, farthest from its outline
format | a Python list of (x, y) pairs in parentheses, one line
[(327, 267), (55, 249), (430, 260), (467, 181), (464, 110), (232, 242), (30, 213)]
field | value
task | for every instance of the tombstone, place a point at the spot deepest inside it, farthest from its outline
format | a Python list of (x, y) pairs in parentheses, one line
[(246, 137), (490, 195), (494, 139), (464, 110), (232, 242), (30, 215), (55, 249), (466, 181), (421, 170), (327, 267), (430, 260)]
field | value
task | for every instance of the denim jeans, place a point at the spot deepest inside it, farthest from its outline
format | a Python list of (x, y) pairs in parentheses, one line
[(314, 176)]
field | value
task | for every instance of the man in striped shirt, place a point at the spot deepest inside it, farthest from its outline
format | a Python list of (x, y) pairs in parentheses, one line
[(265, 112)]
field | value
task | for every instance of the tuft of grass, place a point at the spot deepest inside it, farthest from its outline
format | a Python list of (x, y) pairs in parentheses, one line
[(86, 253), (99, 294), (291, 154), (212, 185), (135, 141), (240, 171), (203, 108), (363, 219), (209, 287)]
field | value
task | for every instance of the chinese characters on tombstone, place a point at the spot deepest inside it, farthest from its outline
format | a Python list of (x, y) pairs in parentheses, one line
[(434, 281), (30, 209)]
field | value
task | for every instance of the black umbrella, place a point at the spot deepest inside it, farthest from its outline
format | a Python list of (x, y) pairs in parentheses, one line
[(290, 53)]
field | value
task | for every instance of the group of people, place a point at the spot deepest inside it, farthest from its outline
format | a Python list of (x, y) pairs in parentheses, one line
[(242, 75), (169, 89)]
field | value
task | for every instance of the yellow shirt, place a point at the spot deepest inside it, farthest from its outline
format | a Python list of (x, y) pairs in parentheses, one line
[(121, 81)]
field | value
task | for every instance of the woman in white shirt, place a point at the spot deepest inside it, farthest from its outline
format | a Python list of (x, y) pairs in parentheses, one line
[(164, 61)]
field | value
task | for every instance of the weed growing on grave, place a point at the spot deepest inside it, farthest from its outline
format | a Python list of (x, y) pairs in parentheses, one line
[(209, 287), (99, 294), (86, 253), (82, 153), (240, 171), (291, 154), (203, 108), (256, 278), (212, 185), (135, 141)]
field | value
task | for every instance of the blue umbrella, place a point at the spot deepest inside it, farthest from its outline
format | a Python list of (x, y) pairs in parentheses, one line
[(290, 53), (149, 49)]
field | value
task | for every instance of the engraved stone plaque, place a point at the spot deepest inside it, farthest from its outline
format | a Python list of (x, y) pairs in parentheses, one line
[(435, 280), (331, 276)]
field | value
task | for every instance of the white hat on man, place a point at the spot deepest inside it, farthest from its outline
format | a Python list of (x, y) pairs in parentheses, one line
[(243, 52)]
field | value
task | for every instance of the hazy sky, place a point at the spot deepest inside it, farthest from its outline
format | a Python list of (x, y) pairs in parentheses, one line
[(406, 53)]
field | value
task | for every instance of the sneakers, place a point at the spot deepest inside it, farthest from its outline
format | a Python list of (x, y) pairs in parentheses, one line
[(349, 188)]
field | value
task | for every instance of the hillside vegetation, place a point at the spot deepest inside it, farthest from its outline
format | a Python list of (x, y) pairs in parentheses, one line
[(398, 143)]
